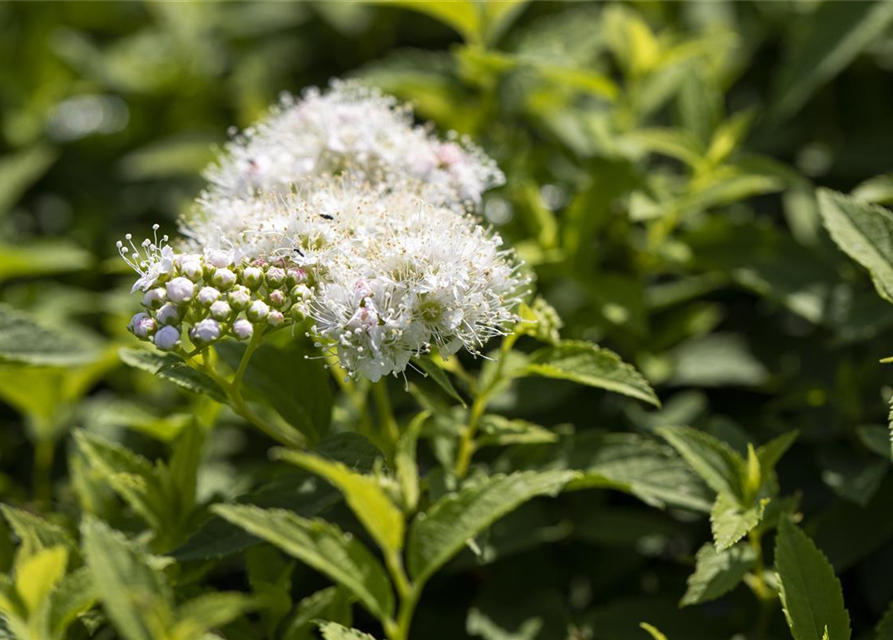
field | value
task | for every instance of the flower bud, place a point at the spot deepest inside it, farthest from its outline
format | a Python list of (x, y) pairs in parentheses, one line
[(205, 332), (258, 311), (275, 276), (296, 312), (218, 258), (192, 270), (180, 290), (223, 279), (240, 297), (168, 314), (168, 338), (154, 298), (242, 329), (253, 277), (221, 310), (277, 298), (300, 292), (295, 276), (141, 325), (275, 318), (208, 296)]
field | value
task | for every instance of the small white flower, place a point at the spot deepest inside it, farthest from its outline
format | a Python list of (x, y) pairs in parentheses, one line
[(243, 329), (240, 297), (141, 325), (167, 338), (205, 332), (221, 310), (154, 298), (155, 260), (180, 290), (168, 314), (192, 270), (208, 296), (275, 276), (219, 258), (257, 311)]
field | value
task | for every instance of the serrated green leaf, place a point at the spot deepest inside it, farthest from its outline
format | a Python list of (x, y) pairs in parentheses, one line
[(864, 232), (720, 466), (363, 494), (585, 363), (439, 534), (730, 521), (35, 532), (334, 631), (173, 369), (24, 341), (717, 572), (324, 547), (496, 430), (810, 592), (74, 595), (134, 594), (884, 629)]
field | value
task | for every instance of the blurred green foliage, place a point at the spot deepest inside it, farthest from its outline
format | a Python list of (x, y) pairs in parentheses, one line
[(662, 160)]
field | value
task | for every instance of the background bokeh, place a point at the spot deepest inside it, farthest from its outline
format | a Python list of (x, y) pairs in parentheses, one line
[(661, 161)]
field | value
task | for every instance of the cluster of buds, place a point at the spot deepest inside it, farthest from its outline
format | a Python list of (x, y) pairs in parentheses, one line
[(208, 297)]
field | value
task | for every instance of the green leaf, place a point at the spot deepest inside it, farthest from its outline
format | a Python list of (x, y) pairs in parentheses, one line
[(206, 612), (38, 574), (835, 33), (172, 368), (460, 15), (405, 461), (810, 592), (730, 521), (19, 170), (439, 534), (495, 430), (313, 607), (585, 363), (884, 629), (652, 631), (878, 190), (324, 547), (364, 495), (74, 595), (720, 466), (36, 533), (334, 631), (864, 232), (280, 376), (770, 453), (40, 258), (438, 375), (132, 591), (181, 476), (24, 341), (717, 572)]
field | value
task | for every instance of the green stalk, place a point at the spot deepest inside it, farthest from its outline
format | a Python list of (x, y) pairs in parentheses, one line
[(388, 422), (408, 595), (44, 452)]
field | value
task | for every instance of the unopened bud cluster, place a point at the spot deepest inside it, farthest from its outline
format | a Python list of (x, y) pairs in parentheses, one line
[(206, 298)]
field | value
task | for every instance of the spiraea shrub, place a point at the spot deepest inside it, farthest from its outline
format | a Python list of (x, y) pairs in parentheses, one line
[(538, 321)]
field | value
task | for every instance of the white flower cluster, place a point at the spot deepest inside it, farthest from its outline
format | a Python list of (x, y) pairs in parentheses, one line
[(336, 208)]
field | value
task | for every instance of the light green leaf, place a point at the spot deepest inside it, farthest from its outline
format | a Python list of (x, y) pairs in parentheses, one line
[(730, 521), (496, 430), (717, 463), (864, 232), (363, 494), (835, 33), (39, 258), (878, 190), (652, 631), (460, 15), (439, 534), (134, 594), (438, 375), (334, 631), (19, 170), (585, 363), (324, 547), (405, 461), (717, 572), (209, 611), (38, 574), (810, 592), (173, 369), (74, 595), (24, 341), (36, 533)]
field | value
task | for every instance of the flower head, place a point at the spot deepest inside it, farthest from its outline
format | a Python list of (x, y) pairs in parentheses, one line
[(152, 260)]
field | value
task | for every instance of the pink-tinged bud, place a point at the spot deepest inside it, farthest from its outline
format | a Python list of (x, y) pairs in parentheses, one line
[(180, 290), (243, 329), (223, 279), (275, 276), (221, 310), (208, 296), (300, 292), (296, 276), (275, 318), (168, 314), (258, 311), (154, 298), (449, 153), (193, 270), (240, 297), (205, 332), (142, 326), (277, 298), (253, 277), (167, 338)]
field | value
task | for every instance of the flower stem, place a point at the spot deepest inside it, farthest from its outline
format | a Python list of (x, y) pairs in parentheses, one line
[(763, 592), (408, 594), (386, 415)]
